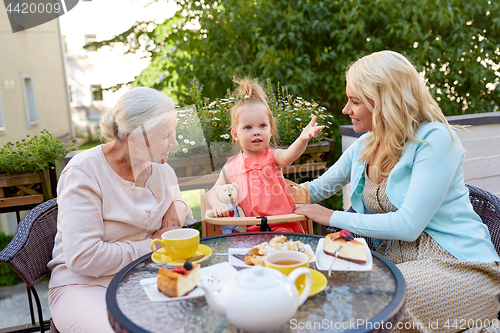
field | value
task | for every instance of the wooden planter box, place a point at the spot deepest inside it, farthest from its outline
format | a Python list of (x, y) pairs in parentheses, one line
[(24, 189), (314, 158)]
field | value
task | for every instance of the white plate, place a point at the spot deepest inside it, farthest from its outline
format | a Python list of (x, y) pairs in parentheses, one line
[(215, 276), (325, 260), (240, 263)]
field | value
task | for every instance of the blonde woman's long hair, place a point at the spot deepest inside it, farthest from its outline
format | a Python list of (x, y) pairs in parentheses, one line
[(401, 101), (248, 93)]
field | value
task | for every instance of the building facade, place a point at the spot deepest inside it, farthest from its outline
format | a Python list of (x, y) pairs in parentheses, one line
[(33, 88), (90, 70)]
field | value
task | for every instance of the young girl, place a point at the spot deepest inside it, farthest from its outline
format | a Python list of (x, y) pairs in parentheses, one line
[(262, 190)]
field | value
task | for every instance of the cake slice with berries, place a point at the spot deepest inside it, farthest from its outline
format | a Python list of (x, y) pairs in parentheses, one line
[(351, 249), (178, 281)]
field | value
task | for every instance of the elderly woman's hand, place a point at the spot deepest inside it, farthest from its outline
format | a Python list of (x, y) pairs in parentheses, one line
[(315, 212), (175, 215)]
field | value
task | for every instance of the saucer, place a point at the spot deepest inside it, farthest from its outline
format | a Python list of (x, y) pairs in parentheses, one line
[(159, 257), (319, 282)]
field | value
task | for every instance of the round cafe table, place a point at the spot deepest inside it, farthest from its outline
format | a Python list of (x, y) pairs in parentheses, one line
[(353, 301)]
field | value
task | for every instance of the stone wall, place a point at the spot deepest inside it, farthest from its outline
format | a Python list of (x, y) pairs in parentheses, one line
[(481, 140)]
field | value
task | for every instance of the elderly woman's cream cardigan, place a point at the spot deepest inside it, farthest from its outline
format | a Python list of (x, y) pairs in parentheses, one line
[(99, 229)]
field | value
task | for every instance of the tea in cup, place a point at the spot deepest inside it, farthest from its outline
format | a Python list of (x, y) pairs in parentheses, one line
[(178, 244), (288, 261)]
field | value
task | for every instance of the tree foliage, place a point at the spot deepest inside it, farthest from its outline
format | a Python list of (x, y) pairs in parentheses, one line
[(307, 45)]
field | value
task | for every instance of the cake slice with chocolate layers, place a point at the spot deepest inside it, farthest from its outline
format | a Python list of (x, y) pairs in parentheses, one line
[(351, 249)]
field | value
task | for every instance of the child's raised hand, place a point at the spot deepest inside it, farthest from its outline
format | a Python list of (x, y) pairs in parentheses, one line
[(310, 131)]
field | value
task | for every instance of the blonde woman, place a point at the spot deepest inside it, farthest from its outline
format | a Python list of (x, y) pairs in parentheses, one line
[(407, 187), (113, 200)]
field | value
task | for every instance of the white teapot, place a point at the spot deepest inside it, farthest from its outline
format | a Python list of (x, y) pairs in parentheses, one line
[(258, 298)]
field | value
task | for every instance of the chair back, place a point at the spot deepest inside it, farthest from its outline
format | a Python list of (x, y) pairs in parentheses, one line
[(300, 194), (31, 247), (487, 206)]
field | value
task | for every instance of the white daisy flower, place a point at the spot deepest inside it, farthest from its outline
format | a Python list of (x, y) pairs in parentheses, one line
[(184, 150), (192, 143), (186, 141), (180, 136)]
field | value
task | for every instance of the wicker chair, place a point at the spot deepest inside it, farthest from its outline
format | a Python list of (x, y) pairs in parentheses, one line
[(29, 252), (487, 206)]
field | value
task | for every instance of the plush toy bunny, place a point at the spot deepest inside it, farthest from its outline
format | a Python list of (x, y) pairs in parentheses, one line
[(228, 193)]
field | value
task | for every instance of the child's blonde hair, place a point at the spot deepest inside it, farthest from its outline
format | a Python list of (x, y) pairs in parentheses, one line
[(401, 102), (248, 93)]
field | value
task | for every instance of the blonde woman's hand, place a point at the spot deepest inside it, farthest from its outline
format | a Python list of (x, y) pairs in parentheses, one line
[(175, 215), (315, 212), (311, 131)]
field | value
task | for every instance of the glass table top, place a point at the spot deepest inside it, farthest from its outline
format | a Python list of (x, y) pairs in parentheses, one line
[(351, 300)]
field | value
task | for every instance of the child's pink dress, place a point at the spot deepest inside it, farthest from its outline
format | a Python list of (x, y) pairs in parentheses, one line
[(262, 189)]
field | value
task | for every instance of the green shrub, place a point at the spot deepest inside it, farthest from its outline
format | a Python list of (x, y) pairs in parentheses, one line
[(211, 120), (32, 154)]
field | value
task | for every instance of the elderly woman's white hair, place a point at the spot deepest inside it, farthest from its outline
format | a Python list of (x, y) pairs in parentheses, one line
[(135, 107)]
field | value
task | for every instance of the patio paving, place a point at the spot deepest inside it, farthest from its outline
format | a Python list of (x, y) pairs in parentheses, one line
[(14, 306)]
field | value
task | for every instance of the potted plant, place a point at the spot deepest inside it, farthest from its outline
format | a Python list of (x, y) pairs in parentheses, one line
[(24, 169), (203, 132)]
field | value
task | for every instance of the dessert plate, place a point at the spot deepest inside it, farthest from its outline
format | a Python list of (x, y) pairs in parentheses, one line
[(215, 276), (240, 263), (324, 260), (159, 257)]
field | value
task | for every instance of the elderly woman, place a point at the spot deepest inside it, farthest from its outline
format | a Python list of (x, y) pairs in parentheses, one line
[(113, 200), (407, 187)]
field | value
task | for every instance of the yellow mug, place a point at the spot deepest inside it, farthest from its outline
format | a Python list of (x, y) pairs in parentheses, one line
[(286, 262), (178, 244)]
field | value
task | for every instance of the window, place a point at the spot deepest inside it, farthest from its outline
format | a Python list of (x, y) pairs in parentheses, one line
[(96, 92), (90, 39), (29, 99), (2, 122)]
